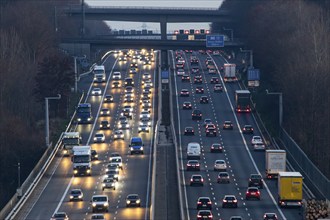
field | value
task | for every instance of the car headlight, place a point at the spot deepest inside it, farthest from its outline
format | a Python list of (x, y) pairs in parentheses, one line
[(88, 171), (132, 148), (138, 201), (71, 197), (80, 196), (95, 139), (103, 184), (128, 202), (65, 151), (79, 119), (88, 119), (141, 148), (75, 171), (94, 204), (106, 204)]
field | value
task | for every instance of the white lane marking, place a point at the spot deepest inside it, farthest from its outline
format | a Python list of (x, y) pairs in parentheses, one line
[(63, 196)]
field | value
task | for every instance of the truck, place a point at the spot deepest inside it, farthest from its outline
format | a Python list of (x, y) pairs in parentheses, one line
[(275, 163), (193, 151), (82, 160), (290, 189), (70, 139), (136, 145), (230, 72), (84, 113), (99, 74), (242, 99)]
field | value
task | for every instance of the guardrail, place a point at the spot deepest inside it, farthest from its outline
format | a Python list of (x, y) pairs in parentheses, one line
[(15, 204)]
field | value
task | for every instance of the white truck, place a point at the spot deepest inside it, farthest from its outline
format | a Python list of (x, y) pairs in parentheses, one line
[(82, 160), (70, 139), (275, 163), (193, 151), (230, 72), (99, 74)]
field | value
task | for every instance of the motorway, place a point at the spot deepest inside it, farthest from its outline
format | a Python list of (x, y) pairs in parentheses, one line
[(135, 177), (240, 158)]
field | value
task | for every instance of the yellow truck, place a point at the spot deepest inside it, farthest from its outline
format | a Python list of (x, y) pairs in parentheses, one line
[(290, 189)]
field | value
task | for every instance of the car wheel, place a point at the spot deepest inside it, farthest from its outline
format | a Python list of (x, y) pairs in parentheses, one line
[(102, 189)]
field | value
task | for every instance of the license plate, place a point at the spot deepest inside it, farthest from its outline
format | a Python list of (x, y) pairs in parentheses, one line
[(252, 193), (204, 205)]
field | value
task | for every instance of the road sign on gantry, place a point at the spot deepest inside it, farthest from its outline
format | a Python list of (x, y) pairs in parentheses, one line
[(215, 41)]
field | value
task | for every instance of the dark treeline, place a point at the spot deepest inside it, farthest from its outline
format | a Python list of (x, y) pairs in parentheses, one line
[(291, 45), (31, 68)]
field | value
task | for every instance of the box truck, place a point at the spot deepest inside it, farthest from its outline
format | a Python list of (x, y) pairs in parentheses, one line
[(275, 163), (290, 189), (230, 72)]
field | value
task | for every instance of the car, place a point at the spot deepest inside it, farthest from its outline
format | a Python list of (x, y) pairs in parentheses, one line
[(112, 174), (204, 215), (229, 201), (145, 121), (196, 179), (116, 75), (252, 192), (186, 105), (236, 218), (216, 52), (108, 99), (227, 125), (104, 125), (76, 195), (184, 93), (247, 129), (180, 72), (145, 114), (100, 203), (259, 146), (147, 83), (204, 100), (208, 59), (207, 121), (211, 132), (204, 203), (146, 104), (133, 65), (212, 70), (129, 90), (115, 84), (99, 137), (214, 80), (146, 75), (122, 58), (133, 200), (108, 183), (118, 134), (179, 65), (105, 112), (223, 177), (185, 78), (133, 70), (96, 91), (198, 79), (114, 155), (195, 70), (210, 125), (189, 131), (217, 88), (143, 128), (94, 155), (122, 125), (118, 160), (199, 90), (216, 147), (129, 98), (144, 99), (256, 140), (220, 165), (127, 113), (256, 181), (193, 165), (98, 217), (60, 216), (196, 114), (112, 166), (270, 216), (129, 81)]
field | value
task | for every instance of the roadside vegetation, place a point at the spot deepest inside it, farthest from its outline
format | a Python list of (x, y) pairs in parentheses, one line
[(31, 68), (291, 47)]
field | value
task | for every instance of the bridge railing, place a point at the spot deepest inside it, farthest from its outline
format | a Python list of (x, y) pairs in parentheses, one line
[(78, 6)]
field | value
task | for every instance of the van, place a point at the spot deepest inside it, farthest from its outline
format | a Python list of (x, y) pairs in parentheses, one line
[(193, 151), (99, 74), (136, 145), (116, 76)]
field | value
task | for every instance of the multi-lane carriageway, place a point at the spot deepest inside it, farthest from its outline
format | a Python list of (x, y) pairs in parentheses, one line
[(135, 177)]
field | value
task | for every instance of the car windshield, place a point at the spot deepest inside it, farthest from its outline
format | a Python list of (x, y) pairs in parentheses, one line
[(100, 199), (59, 215), (98, 135), (132, 197), (75, 192)]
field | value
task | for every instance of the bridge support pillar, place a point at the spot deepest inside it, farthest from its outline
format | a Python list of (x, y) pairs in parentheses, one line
[(163, 29), (164, 60)]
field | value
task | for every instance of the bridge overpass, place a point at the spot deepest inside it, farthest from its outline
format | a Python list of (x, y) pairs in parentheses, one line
[(158, 15)]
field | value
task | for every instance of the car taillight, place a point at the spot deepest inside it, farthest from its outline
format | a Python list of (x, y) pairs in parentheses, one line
[(191, 180), (199, 216), (209, 202), (199, 202), (224, 200), (202, 180), (235, 200), (210, 216)]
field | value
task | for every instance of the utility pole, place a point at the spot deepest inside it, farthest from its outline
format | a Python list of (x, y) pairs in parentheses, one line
[(82, 18)]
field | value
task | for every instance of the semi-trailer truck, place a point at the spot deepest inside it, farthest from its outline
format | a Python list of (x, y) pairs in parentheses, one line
[(230, 72), (290, 189), (82, 160), (242, 98), (275, 163)]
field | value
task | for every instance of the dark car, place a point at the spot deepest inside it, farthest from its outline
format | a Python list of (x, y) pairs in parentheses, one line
[(127, 113), (189, 131), (184, 93), (193, 165), (247, 129), (105, 112), (196, 114), (229, 201), (270, 216), (108, 99), (196, 179), (211, 132), (228, 125), (204, 100), (186, 105), (199, 90), (76, 195), (204, 214), (185, 78), (252, 192), (256, 180), (194, 70), (204, 203), (133, 200), (94, 154), (105, 125), (223, 177), (198, 79), (216, 147), (214, 80)]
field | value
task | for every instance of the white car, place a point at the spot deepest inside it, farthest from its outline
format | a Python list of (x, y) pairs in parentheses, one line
[(256, 140), (147, 83), (118, 134), (144, 128), (98, 217), (145, 114), (116, 76), (113, 155), (146, 104), (220, 165), (99, 137), (180, 72), (128, 108), (146, 75), (259, 146), (118, 161), (146, 121), (96, 91)]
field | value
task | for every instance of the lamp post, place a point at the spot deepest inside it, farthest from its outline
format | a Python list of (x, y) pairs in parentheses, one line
[(47, 117), (251, 56), (280, 104), (231, 33)]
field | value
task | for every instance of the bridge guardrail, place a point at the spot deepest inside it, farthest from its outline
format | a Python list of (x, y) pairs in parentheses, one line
[(15, 204)]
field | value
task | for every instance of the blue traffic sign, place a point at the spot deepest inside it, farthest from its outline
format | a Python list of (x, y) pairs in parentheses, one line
[(164, 75), (215, 41), (253, 74)]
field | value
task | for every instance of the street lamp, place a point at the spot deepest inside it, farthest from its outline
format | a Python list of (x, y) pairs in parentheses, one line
[(231, 33), (280, 104), (251, 56), (47, 117)]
